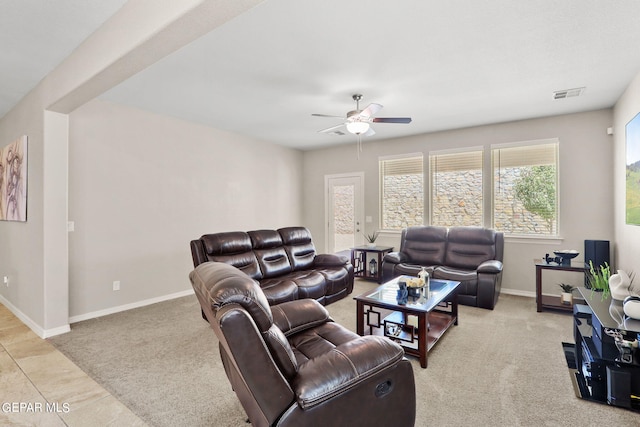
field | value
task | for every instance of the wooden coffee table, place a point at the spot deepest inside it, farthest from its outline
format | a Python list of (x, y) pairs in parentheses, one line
[(416, 325)]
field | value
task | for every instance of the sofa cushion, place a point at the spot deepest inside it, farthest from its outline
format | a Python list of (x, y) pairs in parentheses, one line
[(468, 247), (312, 343), (468, 279), (278, 290), (271, 255), (232, 248), (310, 283), (412, 269), (336, 278), (424, 245), (299, 246)]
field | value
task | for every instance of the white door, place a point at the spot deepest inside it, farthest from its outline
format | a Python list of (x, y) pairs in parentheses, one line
[(345, 213)]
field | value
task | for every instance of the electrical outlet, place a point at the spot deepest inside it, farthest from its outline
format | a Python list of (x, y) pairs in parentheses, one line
[(6, 281), (116, 285)]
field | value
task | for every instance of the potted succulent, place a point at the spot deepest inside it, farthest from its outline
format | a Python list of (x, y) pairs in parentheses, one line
[(598, 279), (371, 238), (566, 297)]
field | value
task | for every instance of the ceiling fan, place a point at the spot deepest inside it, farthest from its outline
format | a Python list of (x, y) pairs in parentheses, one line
[(358, 122)]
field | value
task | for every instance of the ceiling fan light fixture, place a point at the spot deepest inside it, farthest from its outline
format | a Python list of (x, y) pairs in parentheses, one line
[(357, 127)]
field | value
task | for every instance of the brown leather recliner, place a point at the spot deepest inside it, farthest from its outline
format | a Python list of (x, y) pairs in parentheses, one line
[(291, 365)]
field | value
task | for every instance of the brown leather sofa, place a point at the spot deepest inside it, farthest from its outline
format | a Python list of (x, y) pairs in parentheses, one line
[(470, 255), (291, 365), (283, 261)]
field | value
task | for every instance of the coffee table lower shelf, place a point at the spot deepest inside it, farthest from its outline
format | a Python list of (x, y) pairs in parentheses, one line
[(405, 332)]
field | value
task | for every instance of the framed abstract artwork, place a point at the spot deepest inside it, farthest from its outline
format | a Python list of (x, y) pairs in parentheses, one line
[(13, 181)]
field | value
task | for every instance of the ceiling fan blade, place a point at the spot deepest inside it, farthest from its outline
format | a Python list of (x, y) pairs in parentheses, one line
[(331, 128), (371, 110), (369, 132), (328, 115), (392, 120)]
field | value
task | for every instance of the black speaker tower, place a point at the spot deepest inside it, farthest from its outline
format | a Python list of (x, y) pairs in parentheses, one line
[(596, 251)]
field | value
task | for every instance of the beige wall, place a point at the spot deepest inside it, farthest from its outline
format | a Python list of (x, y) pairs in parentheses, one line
[(586, 197), (627, 237), (142, 186), (35, 254), (21, 251)]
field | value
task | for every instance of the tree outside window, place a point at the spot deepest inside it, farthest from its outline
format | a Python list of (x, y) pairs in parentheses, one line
[(525, 188)]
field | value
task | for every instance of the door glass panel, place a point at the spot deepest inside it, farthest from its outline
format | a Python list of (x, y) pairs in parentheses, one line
[(344, 217)]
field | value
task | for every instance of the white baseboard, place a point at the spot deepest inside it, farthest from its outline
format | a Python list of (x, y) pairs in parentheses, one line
[(46, 333), (518, 292), (125, 307), (37, 329)]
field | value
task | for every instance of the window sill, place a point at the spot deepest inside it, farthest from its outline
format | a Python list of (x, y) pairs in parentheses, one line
[(508, 238), (537, 240)]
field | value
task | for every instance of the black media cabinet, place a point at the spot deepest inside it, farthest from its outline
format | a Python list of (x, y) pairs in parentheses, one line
[(603, 372)]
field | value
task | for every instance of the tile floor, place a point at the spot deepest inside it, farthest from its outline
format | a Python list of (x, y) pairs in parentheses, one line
[(41, 387)]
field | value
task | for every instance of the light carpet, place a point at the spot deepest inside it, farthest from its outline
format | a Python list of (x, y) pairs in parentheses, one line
[(504, 367)]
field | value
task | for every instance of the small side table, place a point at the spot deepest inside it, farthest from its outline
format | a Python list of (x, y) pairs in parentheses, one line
[(553, 302), (363, 256)]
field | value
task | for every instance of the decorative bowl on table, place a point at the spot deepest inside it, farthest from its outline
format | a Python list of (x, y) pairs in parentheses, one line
[(414, 286), (566, 256)]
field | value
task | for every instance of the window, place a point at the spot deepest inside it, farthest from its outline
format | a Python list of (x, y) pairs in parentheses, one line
[(456, 187), (401, 191), (525, 187)]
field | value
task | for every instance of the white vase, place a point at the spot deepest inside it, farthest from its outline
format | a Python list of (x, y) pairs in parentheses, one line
[(566, 298), (619, 285)]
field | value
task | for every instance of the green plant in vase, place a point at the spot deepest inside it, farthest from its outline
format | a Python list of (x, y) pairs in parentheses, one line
[(371, 238), (566, 287), (567, 293), (598, 279)]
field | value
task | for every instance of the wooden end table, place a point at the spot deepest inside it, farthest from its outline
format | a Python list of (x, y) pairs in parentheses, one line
[(361, 256), (551, 301)]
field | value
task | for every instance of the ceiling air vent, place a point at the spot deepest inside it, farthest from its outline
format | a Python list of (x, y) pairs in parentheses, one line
[(568, 93)]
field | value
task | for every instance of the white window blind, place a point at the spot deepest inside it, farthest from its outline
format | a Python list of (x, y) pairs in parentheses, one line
[(401, 191), (525, 188), (456, 188)]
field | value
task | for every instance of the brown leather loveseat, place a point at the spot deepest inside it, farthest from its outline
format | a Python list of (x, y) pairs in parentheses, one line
[(291, 365), (470, 255), (283, 261)]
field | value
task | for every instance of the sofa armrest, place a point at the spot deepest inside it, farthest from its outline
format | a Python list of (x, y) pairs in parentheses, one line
[(330, 260), (343, 368), (395, 257), (298, 315), (492, 266)]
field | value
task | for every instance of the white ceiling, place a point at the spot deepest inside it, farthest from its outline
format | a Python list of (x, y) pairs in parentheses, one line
[(36, 35), (448, 64)]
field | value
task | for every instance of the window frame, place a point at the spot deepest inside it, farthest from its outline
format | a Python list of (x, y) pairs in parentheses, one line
[(547, 141), (463, 150), (381, 177)]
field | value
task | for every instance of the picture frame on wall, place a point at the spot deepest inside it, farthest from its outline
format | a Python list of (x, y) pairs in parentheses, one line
[(13, 181), (632, 180)]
